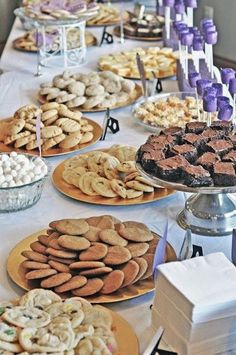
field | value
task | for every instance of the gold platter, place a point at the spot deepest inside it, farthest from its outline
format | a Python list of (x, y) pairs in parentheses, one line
[(116, 32), (137, 93), (17, 272), (77, 194), (97, 132)]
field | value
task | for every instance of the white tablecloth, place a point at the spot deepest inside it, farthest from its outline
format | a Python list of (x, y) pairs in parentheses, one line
[(18, 86)]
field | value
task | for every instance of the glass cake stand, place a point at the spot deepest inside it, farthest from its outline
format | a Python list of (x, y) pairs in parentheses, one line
[(209, 211)]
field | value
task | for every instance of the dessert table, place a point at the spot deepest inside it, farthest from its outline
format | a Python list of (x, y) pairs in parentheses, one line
[(18, 86)]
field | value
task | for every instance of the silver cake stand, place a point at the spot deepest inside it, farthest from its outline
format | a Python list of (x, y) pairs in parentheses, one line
[(209, 211)]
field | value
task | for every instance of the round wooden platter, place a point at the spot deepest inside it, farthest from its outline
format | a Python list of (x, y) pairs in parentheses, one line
[(55, 151), (116, 32), (17, 41), (75, 193), (17, 274), (137, 93)]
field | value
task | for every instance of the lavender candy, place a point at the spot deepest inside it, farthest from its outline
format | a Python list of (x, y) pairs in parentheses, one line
[(205, 21), (211, 37), (222, 101), (187, 39), (168, 3), (193, 78), (232, 86), (201, 85), (209, 103), (225, 113), (181, 32), (226, 75), (209, 28), (190, 3), (198, 43), (219, 88), (179, 7), (209, 91)]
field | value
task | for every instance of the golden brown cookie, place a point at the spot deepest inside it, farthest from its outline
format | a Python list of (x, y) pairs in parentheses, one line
[(51, 142), (152, 245), (39, 274), (119, 187), (96, 251), (34, 265), (50, 131), (149, 259), (92, 234), (61, 260), (92, 286), (33, 255), (38, 247), (131, 193), (71, 226), (102, 222), (73, 242), (97, 271), (56, 280), (137, 249), (58, 266), (86, 264), (102, 187), (130, 270), (135, 234), (143, 265), (70, 142), (111, 237), (117, 255), (53, 243), (112, 282), (139, 225), (43, 239), (61, 253), (25, 140), (74, 283), (139, 186)]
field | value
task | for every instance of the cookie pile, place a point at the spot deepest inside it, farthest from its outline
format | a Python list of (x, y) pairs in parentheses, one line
[(89, 91), (40, 322), (161, 61), (109, 174), (90, 256), (59, 127), (106, 14)]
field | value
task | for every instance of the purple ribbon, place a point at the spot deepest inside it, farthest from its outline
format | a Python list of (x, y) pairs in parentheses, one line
[(233, 252), (38, 133), (159, 256)]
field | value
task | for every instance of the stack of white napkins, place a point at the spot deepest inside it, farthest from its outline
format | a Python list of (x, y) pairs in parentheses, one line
[(195, 302)]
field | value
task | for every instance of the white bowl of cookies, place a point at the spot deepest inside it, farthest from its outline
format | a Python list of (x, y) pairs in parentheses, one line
[(22, 177)]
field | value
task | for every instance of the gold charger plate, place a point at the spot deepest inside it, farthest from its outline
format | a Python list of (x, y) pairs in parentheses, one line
[(116, 32), (17, 272), (97, 132), (77, 194), (137, 93)]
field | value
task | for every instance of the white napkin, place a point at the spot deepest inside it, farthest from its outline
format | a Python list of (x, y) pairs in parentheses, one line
[(203, 288)]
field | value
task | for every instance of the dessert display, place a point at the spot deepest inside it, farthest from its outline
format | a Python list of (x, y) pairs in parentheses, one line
[(94, 91), (105, 177), (92, 257), (28, 42), (61, 130), (160, 61), (167, 111), (195, 156), (107, 14), (149, 27), (41, 322)]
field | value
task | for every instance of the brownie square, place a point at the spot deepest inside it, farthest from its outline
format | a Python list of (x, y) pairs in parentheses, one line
[(207, 160), (195, 127), (168, 141), (220, 147), (188, 151), (225, 126), (171, 168), (224, 174), (147, 147), (196, 176), (210, 134), (230, 157), (232, 139), (177, 132), (194, 139), (149, 158)]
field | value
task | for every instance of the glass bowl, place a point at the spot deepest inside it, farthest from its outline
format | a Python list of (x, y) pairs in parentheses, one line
[(18, 198), (173, 120)]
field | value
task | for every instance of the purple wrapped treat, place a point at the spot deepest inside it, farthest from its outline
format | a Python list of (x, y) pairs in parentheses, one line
[(181, 32), (225, 113), (202, 84), (205, 21), (187, 39), (226, 75), (168, 3), (198, 43), (179, 7), (209, 28), (210, 91), (222, 101), (211, 37), (209, 103), (190, 3), (193, 78), (232, 86), (219, 88)]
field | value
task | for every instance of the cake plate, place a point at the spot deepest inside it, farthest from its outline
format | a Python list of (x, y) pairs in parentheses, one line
[(209, 211)]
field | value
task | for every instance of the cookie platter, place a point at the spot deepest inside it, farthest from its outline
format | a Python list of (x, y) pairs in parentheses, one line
[(117, 33), (75, 178), (108, 15), (74, 324), (97, 283)]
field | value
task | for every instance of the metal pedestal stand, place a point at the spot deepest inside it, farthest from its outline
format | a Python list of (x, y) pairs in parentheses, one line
[(210, 211)]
